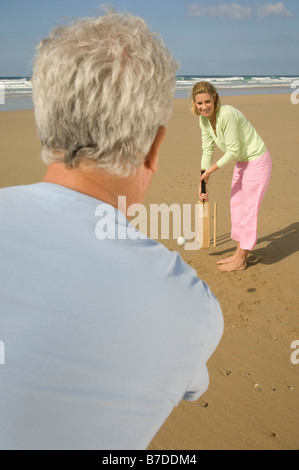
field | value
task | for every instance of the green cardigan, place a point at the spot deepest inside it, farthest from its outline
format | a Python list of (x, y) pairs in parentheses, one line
[(236, 137)]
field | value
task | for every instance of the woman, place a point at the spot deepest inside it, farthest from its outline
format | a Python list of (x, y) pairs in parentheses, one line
[(236, 137)]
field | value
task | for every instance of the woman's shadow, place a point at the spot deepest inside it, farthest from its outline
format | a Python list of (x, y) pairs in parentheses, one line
[(282, 244)]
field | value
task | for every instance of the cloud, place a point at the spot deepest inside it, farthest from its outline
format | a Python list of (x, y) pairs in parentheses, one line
[(233, 11), (274, 9)]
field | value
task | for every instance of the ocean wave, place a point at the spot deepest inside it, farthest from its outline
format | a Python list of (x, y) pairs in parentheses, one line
[(232, 82), (22, 86), (16, 86)]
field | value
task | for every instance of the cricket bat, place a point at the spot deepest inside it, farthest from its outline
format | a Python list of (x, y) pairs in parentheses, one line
[(204, 220)]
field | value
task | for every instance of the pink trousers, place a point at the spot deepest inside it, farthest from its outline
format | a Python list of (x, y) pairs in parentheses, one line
[(249, 185)]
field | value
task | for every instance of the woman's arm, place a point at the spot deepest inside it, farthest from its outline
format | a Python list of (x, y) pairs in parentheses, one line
[(205, 177), (207, 147), (207, 155), (230, 126), (230, 129)]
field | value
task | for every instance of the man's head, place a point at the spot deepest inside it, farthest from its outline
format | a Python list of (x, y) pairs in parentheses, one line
[(102, 87)]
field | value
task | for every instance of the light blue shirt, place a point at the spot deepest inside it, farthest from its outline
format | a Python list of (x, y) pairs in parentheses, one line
[(102, 338)]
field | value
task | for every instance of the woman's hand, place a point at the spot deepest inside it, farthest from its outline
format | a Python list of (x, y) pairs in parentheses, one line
[(203, 196), (205, 177)]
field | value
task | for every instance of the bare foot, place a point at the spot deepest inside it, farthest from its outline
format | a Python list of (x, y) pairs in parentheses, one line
[(234, 266), (230, 259)]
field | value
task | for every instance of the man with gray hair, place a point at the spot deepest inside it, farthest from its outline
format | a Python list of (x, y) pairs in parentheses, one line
[(103, 337)]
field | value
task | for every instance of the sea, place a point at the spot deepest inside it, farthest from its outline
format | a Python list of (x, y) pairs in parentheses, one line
[(16, 92)]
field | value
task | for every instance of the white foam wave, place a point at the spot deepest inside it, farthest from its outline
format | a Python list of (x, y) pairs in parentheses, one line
[(186, 82)]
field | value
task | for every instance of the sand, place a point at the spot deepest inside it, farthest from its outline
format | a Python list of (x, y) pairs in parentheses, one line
[(252, 402)]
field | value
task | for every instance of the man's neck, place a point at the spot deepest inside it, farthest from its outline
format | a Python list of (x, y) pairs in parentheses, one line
[(95, 183)]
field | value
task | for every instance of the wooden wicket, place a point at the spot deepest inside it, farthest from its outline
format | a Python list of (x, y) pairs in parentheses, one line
[(215, 224)]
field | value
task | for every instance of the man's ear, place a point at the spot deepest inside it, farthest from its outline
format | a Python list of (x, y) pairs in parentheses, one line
[(152, 159)]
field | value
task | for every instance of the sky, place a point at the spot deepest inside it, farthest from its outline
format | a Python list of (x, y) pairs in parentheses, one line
[(216, 37)]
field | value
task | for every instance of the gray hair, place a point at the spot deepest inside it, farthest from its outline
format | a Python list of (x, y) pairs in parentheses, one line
[(101, 89)]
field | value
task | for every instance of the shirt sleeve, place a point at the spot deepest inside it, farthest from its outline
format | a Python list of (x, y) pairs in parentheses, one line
[(230, 129), (207, 148)]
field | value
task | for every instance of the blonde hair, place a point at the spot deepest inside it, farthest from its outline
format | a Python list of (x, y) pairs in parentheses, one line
[(203, 87), (101, 89)]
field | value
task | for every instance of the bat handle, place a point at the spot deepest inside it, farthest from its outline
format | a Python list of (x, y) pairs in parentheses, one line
[(203, 184)]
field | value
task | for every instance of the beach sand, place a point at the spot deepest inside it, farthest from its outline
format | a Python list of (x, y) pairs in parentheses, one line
[(252, 402)]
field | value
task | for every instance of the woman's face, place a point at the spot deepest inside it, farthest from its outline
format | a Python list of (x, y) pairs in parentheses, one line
[(205, 104)]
